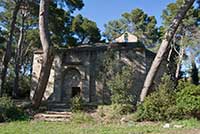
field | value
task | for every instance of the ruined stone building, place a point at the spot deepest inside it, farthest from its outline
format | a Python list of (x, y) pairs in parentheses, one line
[(75, 70)]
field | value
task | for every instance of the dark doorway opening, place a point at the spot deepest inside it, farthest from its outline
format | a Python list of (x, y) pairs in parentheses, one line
[(76, 91)]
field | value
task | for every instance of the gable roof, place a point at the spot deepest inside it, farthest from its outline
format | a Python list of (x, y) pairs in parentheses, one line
[(126, 37)]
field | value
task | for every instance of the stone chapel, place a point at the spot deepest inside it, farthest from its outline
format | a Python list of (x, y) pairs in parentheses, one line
[(74, 70)]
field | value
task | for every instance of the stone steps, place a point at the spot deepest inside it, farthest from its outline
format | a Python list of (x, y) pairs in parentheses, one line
[(56, 120), (55, 112), (53, 116)]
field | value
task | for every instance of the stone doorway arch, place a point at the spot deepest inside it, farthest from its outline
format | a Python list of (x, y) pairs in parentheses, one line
[(72, 84)]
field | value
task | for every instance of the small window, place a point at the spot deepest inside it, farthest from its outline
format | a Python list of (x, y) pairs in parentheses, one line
[(126, 37), (76, 91)]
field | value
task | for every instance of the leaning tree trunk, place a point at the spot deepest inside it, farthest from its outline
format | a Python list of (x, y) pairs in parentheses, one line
[(7, 55), (48, 54), (164, 47)]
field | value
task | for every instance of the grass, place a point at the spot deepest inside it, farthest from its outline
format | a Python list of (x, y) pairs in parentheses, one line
[(191, 126)]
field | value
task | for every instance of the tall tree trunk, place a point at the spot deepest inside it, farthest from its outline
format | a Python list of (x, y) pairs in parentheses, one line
[(7, 55), (48, 53), (164, 47), (15, 92)]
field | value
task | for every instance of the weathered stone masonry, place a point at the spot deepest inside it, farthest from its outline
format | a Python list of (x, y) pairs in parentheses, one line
[(74, 71)]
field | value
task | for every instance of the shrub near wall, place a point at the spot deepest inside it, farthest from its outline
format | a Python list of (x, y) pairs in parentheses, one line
[(161, 104), (188, 99), (117, 76), (77, 104), (168, 103), (121, 86), (9, 112)]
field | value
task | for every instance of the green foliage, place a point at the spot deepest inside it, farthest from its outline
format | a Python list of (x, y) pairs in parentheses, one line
[(9, 85), (121, 109), (60, 21), (107, 68), (71, 4), (121, 86), (189, 23), (189, 123), (9, 112), (2, 39), (59, 25), (114, 29), (30, 37), (117, 77), (77, 104), (136, 22), (187, 34), (81, 117), (159, 105), (68, 30), (168, 103), (24, 86), (100, 110), (113, 113), (171, 10), (41, 127), (188, 99), (86, 30)]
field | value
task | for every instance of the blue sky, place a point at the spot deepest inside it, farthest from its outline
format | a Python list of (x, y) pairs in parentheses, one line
[(102, 11)]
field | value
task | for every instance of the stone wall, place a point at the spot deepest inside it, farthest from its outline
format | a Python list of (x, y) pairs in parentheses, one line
[(78, 68), (37, 60)]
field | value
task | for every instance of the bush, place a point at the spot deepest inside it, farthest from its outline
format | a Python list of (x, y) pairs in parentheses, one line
[(77, 104), (110, 113), (9, 112), (188, 99), (81, 117), (24, 86), (161, 104), (121, 85), (116, 75), (122, 109)]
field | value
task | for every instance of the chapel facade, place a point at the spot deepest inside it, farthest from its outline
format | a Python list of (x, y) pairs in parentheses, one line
[(75, 70)]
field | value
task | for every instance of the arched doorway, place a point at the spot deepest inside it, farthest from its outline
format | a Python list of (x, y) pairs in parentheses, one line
[(72, 84)]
